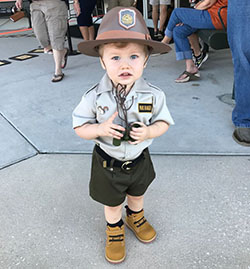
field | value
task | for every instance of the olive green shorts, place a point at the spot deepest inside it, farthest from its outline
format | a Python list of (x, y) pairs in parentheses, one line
[(110, 185)]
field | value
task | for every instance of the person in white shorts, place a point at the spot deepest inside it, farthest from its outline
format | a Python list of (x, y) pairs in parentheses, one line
[(159, 32)]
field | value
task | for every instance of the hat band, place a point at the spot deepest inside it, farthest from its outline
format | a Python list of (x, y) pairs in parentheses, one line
[(121, 34)]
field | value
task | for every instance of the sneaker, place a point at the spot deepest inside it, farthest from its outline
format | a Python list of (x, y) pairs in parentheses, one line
[(193, 56), (141, 228), (115, 244), (198, 61), (242, 136)]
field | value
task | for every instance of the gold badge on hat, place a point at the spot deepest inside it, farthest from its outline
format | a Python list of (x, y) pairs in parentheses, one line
[(127, 18)]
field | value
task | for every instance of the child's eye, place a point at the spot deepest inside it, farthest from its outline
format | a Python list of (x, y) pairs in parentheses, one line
[(134, 57), (116, 58)]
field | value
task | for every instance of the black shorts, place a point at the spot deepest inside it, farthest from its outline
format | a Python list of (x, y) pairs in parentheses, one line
[(110, 185), (85, 17)]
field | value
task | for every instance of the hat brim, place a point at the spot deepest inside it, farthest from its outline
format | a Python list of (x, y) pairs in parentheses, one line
[(90, 47)]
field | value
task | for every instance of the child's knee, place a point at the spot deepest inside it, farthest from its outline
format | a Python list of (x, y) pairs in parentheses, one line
[(135, 198), (113, 209)]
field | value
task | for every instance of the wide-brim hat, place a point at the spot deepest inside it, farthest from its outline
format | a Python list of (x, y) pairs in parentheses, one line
[(122, 24)]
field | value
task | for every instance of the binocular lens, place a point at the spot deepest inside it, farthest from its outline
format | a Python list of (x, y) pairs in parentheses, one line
[(126, 136), (14, 9)]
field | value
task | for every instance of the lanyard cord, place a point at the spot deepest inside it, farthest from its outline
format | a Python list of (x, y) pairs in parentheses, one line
[(120, 98)]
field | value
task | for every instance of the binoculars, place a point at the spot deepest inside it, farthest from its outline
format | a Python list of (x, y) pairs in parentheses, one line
[(126, 135)]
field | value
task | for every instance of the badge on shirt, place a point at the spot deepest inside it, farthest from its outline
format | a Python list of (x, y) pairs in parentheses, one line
[(127, 18), (145, 107)]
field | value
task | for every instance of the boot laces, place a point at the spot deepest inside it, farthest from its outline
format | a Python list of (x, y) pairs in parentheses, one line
[(116, 238)]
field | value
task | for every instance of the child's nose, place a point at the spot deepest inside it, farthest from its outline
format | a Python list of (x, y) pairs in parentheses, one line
[(125, 63)]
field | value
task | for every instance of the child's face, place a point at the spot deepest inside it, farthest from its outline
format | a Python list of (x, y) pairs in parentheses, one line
[(124, 65)]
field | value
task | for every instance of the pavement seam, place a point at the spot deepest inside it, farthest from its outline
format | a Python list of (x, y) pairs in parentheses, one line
[(19, 132), (18, 161)]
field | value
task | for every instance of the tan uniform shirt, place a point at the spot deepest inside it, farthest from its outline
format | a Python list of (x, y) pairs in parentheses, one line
[(98, 104)]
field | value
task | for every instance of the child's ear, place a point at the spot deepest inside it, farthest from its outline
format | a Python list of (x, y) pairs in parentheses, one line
[(102, 63), (146, 62)]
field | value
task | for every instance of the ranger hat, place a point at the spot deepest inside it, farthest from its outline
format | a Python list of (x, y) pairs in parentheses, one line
[(122, 24)]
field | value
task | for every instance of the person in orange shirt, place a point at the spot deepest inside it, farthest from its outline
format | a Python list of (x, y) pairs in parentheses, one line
[(186, 21)]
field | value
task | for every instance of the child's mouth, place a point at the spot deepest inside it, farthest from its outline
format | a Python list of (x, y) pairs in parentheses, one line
[(125, 75)]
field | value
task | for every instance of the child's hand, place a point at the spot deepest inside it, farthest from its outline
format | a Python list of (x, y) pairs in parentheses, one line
[(108, 128), (139, 134)]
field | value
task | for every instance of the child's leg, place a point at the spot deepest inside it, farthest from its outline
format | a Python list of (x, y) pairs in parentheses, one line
[(135, 203), (113, 214), (115, 245), (136, 221)]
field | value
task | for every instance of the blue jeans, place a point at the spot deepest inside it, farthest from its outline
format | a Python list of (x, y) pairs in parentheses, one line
[(238, 18), (192, 20)]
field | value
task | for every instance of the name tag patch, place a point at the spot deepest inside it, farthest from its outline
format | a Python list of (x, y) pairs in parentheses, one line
[(145, 108)]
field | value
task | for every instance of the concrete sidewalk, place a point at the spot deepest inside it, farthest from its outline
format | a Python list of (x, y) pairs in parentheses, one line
[(34, 110), (199, 205)]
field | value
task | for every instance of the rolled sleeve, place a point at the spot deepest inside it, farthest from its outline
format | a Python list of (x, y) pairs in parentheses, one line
[(84, 112), (161, 112)]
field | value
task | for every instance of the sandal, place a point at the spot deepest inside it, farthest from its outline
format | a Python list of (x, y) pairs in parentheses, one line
[(57, 78), (189, 76), (64, 62), (48, 51), (156, 34)]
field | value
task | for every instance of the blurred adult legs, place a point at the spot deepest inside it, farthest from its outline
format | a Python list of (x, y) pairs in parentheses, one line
[(58, 58), (155, 17), (84, 19), (239, 40), (88, 33), (123, 3), (158, 31), (49, 19), (194, 42), (182, 24), (163, 16)]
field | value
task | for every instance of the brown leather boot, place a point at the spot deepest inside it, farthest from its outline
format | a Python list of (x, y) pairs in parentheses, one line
[(115, 245), (141, 228)]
